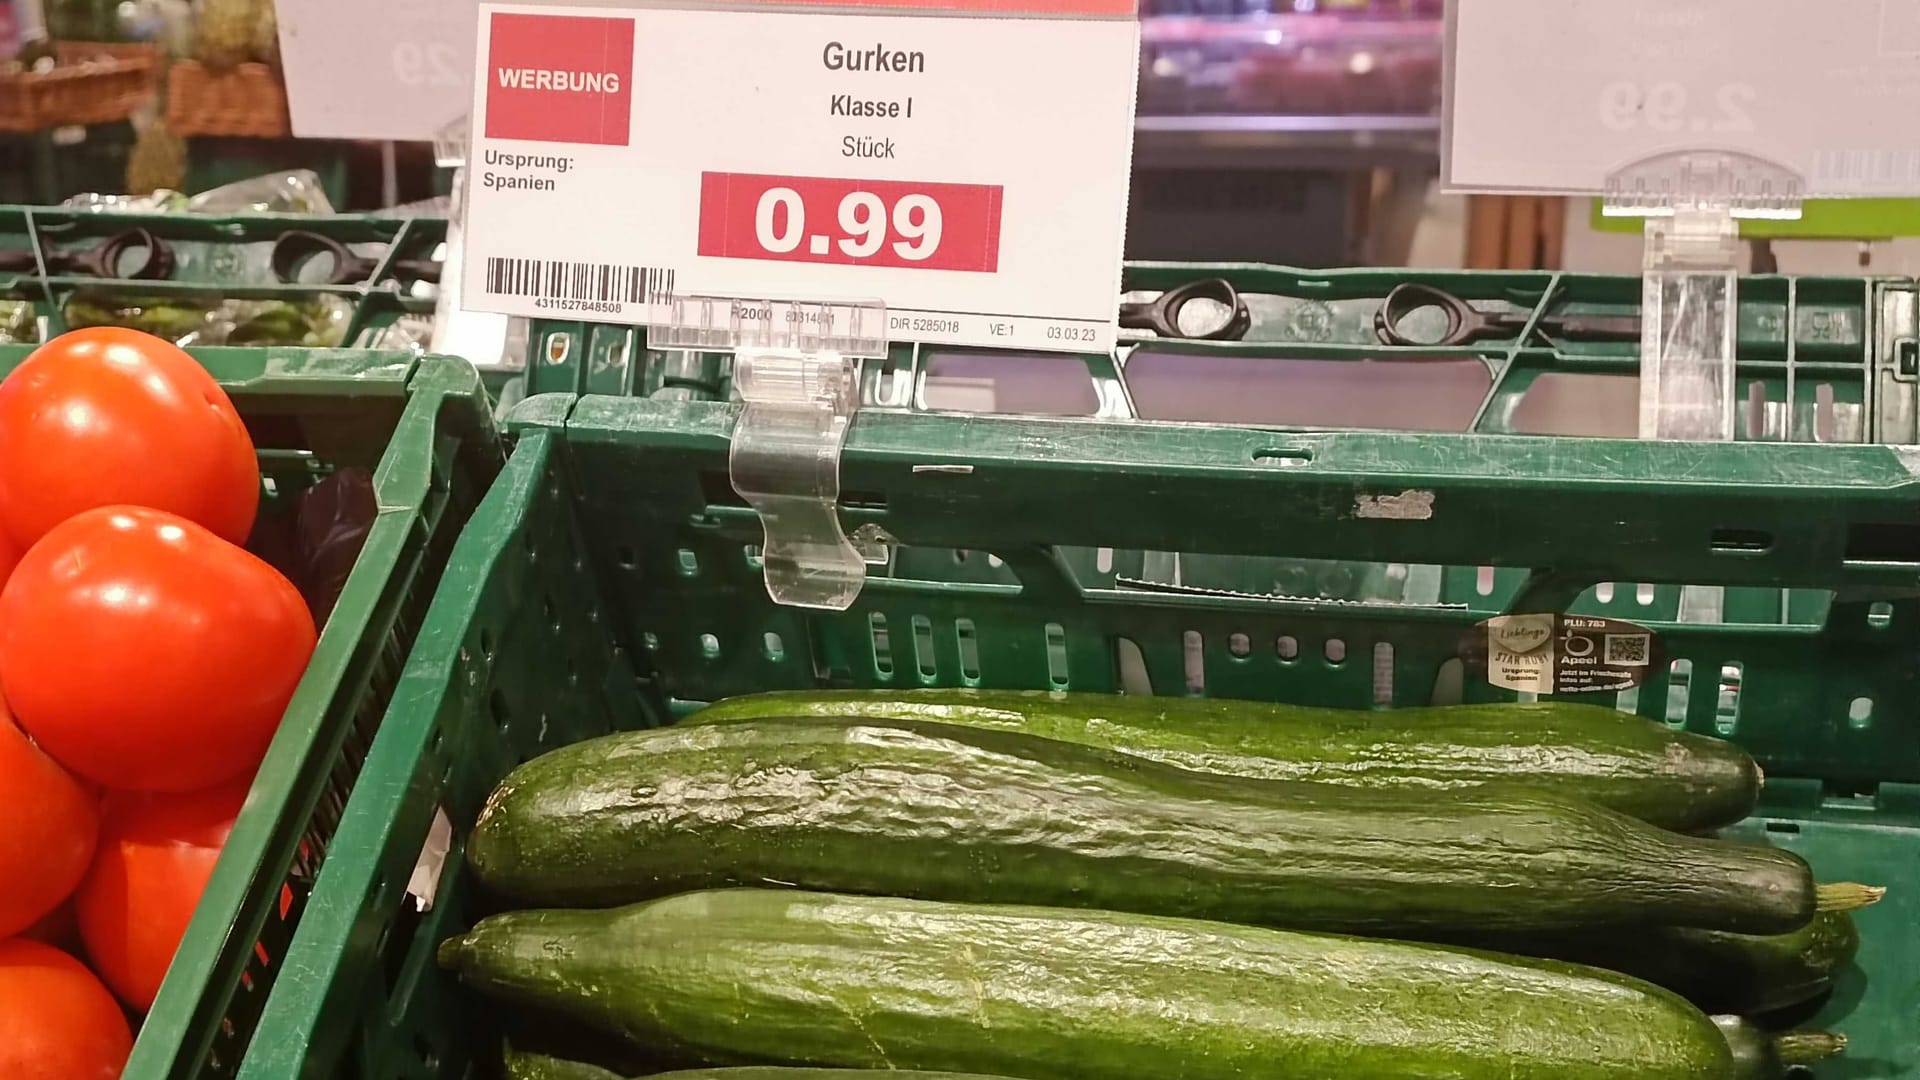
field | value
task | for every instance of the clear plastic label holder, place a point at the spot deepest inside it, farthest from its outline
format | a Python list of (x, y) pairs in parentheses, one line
[(796, 368), (1689, 307)]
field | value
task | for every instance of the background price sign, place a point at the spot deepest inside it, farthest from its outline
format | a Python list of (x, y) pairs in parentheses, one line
[(965, 167), (376, 69), (1558, 97)]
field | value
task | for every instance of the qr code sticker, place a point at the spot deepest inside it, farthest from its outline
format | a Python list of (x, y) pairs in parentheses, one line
[(1627, 649)]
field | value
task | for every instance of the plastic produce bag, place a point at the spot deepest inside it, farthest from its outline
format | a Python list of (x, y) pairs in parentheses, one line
[(295, 191)]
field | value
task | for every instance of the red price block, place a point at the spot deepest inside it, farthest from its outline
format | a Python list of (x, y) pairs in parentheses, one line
[(853, 222)]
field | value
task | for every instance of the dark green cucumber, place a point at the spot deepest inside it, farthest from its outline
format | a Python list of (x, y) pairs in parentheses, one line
[(1741, 974), (519, 1064), (757, 976), (941, 812), (1677, 780)]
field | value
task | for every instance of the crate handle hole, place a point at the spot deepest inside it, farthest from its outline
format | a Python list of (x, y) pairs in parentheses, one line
[(1645, 593), (1603, 592), (1335, 650), (1880, 615), (751, 553), (1287, 648), (710, 646), (1726, 710), (968, 641), (1130, 666), (1194, 661), (1679, 688), (1284, 458), (1057, 655), (882, 642), (1860, 713), (776, 649), (1789, 828), (1240, 646), (1483, 581), (689, 563), (923, 656), (625, 557), (1103, 560), (1383, 673), (1449, 683), (1740, 542)]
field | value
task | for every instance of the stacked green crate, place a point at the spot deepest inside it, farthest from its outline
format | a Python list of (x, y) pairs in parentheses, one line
[(612, 579)]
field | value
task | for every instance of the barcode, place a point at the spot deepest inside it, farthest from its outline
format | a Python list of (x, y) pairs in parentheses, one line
[(554, 279), (1881, 167)]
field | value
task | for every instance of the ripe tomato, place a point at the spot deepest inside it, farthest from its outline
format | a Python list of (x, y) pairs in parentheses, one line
[(148, 654), (48, 823), (56, 1021), (9, 556), (105, 417), (156, 854)]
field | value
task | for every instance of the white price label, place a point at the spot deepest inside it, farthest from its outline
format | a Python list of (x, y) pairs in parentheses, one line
[(785, 153), (1558, 98), (376, 69)]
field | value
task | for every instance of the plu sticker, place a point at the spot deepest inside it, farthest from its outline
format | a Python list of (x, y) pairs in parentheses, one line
[(1561, 654)]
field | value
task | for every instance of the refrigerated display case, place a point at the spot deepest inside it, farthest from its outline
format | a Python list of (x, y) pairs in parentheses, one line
[(1298, 131)]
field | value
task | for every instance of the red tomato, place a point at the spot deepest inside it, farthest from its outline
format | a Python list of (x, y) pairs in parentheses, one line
[(156, 854), (107, 417), (9, 556), (48, 823), (148, 654), (56, 1021)]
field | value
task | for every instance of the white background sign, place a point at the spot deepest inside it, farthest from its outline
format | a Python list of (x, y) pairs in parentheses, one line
[(969, 172), (1555, 96), (395, 70)]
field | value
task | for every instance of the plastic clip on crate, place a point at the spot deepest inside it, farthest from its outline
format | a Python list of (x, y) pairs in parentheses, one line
[(611, 578), (422, 427)]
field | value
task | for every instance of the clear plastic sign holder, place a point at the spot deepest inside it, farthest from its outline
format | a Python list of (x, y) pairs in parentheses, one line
[(796, 369), (1689, 308), (491, 342)]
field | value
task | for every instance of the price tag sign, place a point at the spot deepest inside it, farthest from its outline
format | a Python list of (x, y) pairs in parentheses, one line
[(396, 70), (968, 169), (1555, 98)]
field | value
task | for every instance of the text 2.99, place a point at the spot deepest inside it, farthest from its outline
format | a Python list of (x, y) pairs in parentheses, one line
[(850, 222)]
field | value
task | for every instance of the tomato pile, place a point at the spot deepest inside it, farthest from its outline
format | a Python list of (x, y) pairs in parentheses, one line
[(145, 661)]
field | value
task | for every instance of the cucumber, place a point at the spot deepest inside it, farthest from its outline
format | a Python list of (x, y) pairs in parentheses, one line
[(1759, 1054), (939, 812), (519, 1064), (1740, 974), (759, 976), (522, 1065), (1680, 781)]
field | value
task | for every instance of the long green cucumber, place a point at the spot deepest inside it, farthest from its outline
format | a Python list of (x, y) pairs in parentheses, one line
[(755, 976), (1681, 781), (526, 1065), (940, 812), (1740, 974)]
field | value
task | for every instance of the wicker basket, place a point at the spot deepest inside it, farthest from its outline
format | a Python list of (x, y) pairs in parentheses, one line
[(250, 100), (89, 84)]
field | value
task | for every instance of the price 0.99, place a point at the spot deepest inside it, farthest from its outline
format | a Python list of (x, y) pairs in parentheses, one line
[(1669, 107), (858, 222)]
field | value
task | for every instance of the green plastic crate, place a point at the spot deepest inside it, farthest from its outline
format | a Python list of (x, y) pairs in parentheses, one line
[(612, 579), (212, 253), (1840, 375), (422, 426)]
